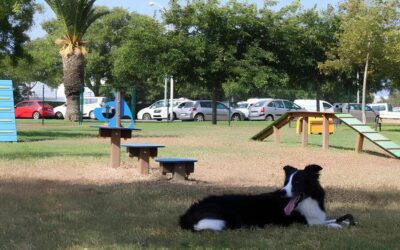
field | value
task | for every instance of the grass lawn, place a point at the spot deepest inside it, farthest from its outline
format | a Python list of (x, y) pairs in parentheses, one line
[(57, 190)]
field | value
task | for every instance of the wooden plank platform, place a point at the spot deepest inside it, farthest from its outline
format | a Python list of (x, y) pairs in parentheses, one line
[(352, 121), (363, 131), (282, 121)]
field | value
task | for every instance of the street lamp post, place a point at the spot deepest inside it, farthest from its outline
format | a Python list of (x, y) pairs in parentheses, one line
[(158, 5), (171, 117), (170, 113)]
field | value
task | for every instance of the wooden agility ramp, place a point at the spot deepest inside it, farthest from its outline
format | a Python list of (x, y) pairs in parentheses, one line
[(363, 131)]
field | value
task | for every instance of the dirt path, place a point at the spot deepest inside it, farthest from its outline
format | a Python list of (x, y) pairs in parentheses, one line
[(222, 163)]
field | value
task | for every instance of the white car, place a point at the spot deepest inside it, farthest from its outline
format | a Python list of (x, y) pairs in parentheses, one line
[(311, 105), (385, 110), (89, 104), (158, 110)]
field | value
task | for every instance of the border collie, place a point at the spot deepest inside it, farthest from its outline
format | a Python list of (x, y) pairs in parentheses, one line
[(301, 200)]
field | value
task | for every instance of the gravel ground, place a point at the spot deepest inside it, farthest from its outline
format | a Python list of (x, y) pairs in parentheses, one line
[(245, 165)]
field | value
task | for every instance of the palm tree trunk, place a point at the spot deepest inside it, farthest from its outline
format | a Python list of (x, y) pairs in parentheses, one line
[(73, 70)]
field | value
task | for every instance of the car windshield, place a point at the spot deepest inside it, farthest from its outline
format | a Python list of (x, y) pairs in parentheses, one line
[(367, 108), (205, 104), (242, 105), (158, 104), (259, 104), (291, 105), (187, 105), (176, 103), (355, 106), (162, 103), (43, 104), (326, 105)]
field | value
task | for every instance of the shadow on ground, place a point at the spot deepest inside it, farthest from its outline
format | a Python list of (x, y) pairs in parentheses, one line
[(58, 215), (47, 154), (41, 135), (371, 152)]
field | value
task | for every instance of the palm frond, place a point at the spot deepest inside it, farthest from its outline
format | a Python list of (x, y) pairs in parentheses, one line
[(77, 16)]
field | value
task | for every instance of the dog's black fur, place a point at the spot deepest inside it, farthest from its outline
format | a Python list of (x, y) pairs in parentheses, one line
[(242, 211), (239, 211)]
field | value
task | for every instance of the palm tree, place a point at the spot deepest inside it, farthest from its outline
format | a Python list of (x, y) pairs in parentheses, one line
[(77, 16)]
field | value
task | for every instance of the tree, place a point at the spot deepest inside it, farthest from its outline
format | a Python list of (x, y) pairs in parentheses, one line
[(106, 35), (76, 16), (135, 61), (218, 38), (41, 64), (257, 70), (16, 17), (367, 42), (301, 40)]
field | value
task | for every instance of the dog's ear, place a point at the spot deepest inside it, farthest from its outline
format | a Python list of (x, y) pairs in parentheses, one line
[(289, 169), (313, 169)]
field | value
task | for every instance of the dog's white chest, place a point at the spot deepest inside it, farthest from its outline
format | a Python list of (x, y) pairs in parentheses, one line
[(310, 209)]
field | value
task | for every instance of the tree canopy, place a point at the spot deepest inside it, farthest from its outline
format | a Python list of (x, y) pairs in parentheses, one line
[(16, 17), (368, 42), (233, 50)]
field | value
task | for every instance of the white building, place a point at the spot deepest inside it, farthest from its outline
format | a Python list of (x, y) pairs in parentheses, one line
[(53, 94)]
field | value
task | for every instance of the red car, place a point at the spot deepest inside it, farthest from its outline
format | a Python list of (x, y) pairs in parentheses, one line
[(33, 109)]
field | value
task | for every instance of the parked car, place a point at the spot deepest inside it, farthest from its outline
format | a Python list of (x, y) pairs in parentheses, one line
[(158, 110), (311, 105), (202, 111), (89, 104), (379, 107), (271, 109), (59, 111), (355, 110), (244, 106), (33, 109), (385, 110)]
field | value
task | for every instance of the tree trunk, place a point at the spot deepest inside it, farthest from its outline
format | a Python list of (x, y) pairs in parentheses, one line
[(96, 87), (214, 105), (364, 119), (73, 73)]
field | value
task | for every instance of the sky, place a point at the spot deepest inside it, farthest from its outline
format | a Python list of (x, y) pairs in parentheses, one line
[(143, 7)]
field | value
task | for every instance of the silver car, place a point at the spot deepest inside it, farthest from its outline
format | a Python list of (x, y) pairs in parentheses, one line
[(202, 111), (271, 109), (355, 110)]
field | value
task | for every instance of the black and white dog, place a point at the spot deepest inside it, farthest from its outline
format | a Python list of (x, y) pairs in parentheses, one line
[(301, 200)]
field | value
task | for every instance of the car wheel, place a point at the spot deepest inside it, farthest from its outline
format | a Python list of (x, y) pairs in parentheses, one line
[(36, 115), (269, 118), (91, 115), (236, 117), (146, 117), (199, 118), (59, 115)]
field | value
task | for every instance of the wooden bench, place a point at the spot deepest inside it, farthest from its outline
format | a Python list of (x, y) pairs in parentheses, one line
[(143, 152), (179, 167)]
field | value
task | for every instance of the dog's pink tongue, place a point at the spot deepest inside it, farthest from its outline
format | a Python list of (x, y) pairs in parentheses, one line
[(290, 206)]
